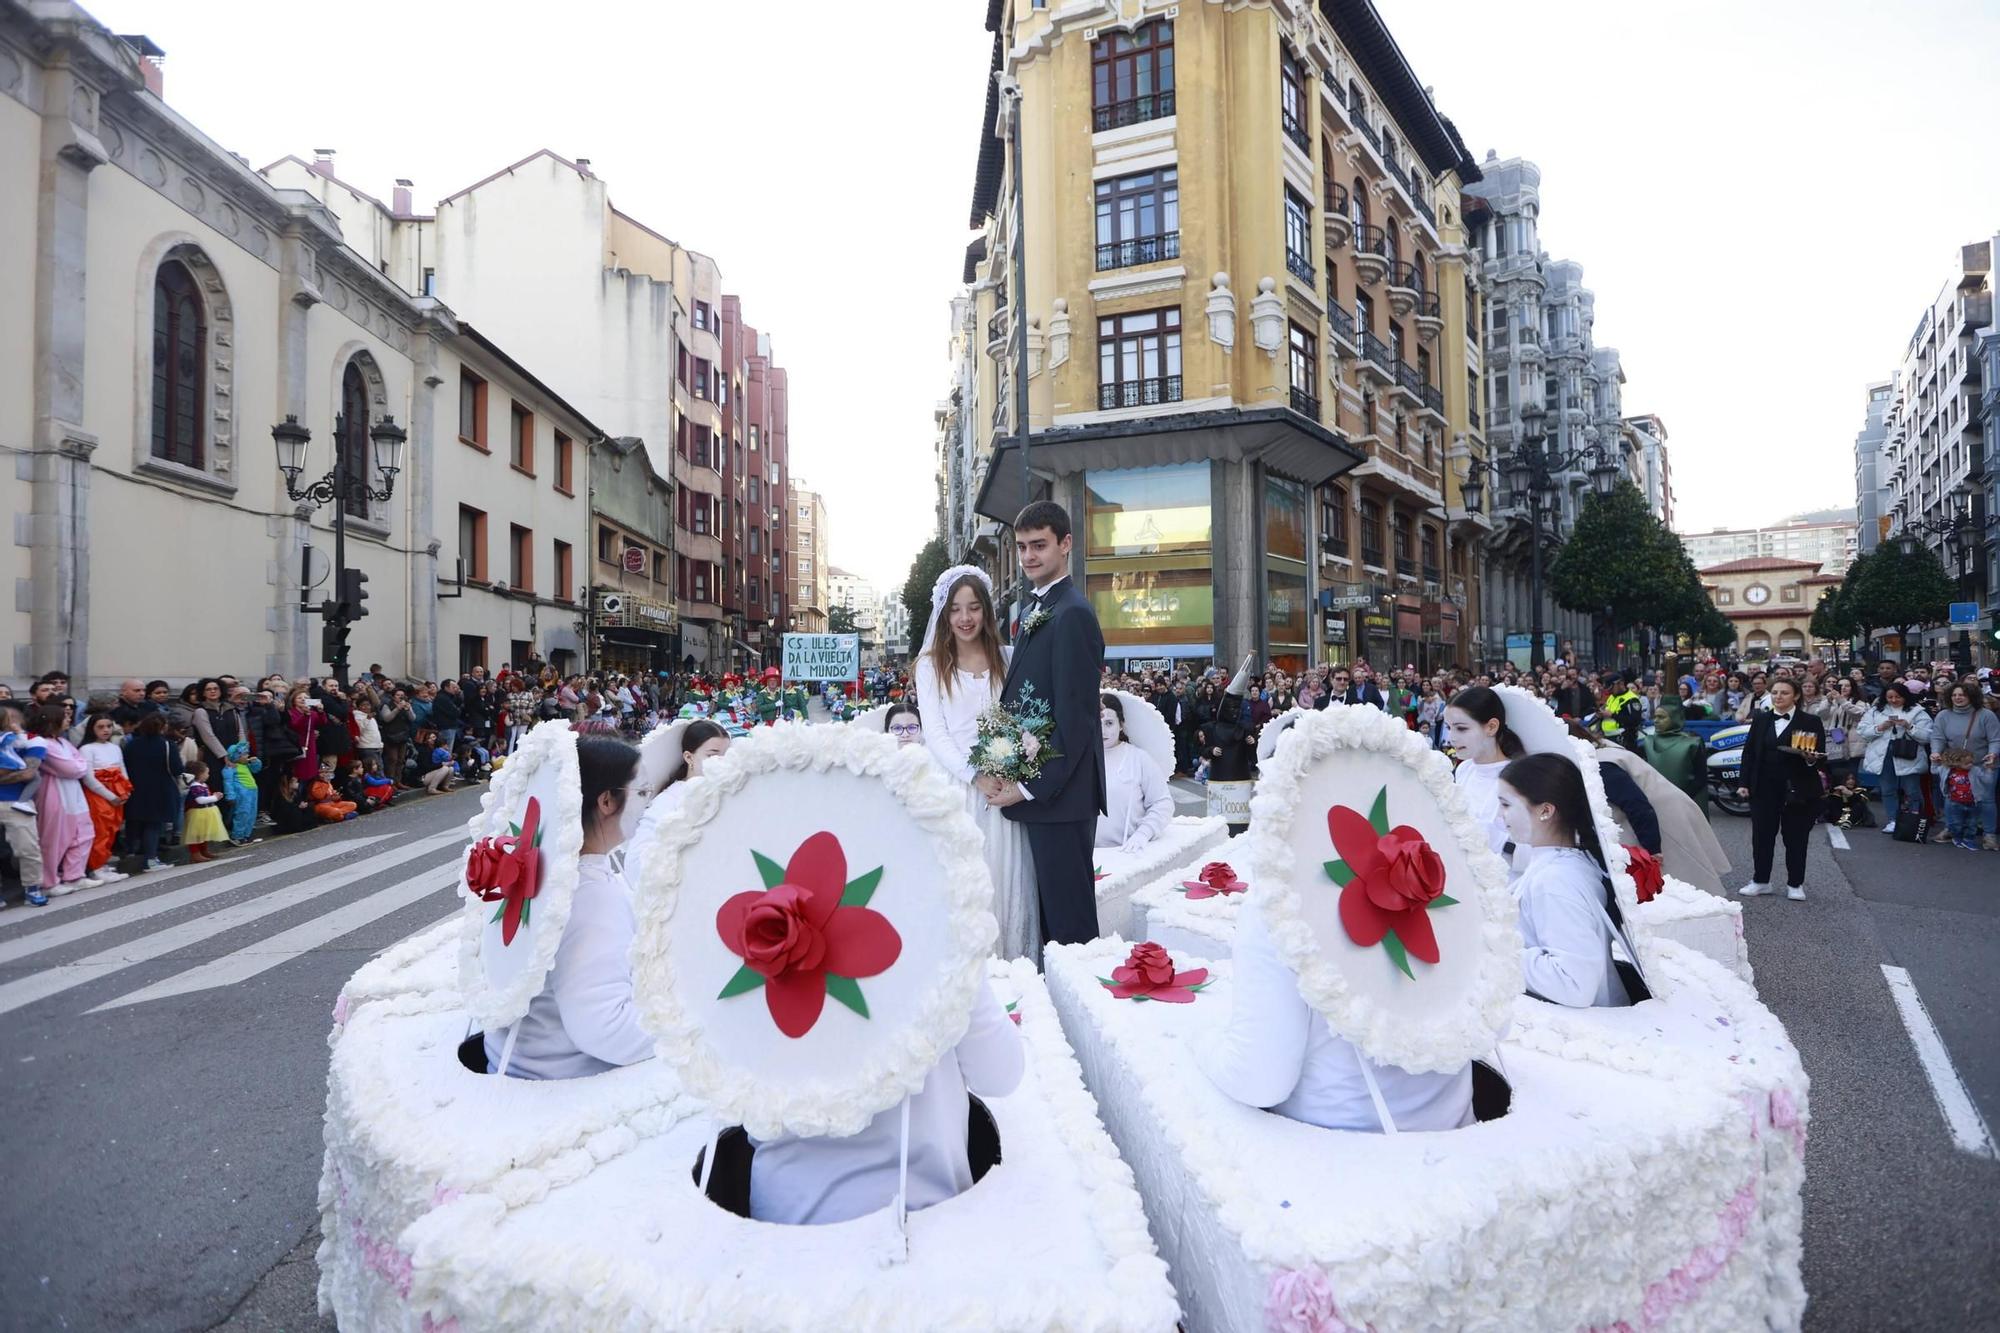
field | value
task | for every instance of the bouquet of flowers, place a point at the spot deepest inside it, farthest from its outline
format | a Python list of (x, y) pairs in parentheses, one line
[(1014, 744)]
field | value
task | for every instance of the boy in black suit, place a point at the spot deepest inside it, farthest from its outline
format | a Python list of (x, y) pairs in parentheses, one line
[(1060, 651), (1781, 767)]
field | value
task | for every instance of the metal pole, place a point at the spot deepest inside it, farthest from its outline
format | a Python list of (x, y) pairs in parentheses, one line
[(340, 484), (1535, 571), (1020, 316)]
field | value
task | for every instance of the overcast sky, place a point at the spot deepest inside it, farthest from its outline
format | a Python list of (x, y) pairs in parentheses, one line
[(1763, 196)]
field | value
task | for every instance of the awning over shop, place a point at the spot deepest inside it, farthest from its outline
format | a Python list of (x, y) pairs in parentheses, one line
[(1285, 442)]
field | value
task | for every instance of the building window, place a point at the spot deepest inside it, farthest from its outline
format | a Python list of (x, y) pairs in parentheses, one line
[(472, 543), (1132, 76), (607, 545), (1305, 372), (756, 491), (565, 567), (354, 443), (699, 583), (1298, 237), (703, 319), (1724, 596), (659, 567), (471, 652), (1429, 545), (1139, 359), (471, 409), (565, 464), (180, 349), (698, 515), (520, 558), (1371, 533), (430, 286), (753, 439), (756, 541), (1292, 99), (1400, 528), (1364, 313), (805, 568), (521, 438), (1333, 518), (702, 370), (1138, 219), (756, 591)]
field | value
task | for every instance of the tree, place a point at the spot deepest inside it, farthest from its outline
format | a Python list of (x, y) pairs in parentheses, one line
[(1624, 567), (932, 561), (1713, 630), (840, 620), (1901, 592), (1831, 620)]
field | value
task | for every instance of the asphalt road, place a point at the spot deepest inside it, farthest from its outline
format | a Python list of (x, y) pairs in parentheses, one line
[(165, 1045)]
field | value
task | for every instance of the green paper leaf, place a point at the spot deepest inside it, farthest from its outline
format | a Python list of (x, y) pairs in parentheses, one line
[(527, 910), (772, 873), (496, 914), (514, 830), (1378, 814), (847, 991), (1338, 872), (859, 891), (1397, 955), (1444, 900), (746, 979)]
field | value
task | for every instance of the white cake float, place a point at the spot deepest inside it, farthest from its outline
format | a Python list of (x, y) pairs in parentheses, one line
[(461, 1200), (1701, 921), (1646, 1172), (1120, 872)]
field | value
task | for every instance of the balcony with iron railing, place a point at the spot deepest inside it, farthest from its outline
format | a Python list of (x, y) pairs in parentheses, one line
[(1406, 567), (1139, 250), (1339, 226), (1295, 130), (1409, 383), (1373, 557), (1342, 322), (1304, 403), (1433, 401), (997, 330), (1134, 111), (1371, 253), (1369, 133), (1430, 316), (1139, 393), (1404, 287), (1376, 360), (1300, 267)]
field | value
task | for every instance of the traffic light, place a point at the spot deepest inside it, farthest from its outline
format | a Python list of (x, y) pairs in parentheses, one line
[(353, 596), (333, 645)]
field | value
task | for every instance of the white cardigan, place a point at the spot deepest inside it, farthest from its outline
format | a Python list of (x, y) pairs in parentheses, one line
[(820, 1180), (1137, 805), (1877, 733), (584, 1021), (1565, 931), (1276, 1051)]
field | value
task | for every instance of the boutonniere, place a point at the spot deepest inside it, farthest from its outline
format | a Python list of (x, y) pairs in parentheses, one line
[(1034, 620)]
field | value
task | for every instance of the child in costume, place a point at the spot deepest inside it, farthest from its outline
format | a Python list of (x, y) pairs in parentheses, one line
[(1961, 811), (326, 802), (379, 789), (239, 787), (204, 821)]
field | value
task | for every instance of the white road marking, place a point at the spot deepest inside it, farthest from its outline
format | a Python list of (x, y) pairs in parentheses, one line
[(115, 917), (1961, 1114), (286, 945), (67, 976), (1837, 835)]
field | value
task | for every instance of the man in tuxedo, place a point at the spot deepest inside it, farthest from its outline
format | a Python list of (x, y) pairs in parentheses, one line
[(1781, 764), (1359, 688), (1059, 650)]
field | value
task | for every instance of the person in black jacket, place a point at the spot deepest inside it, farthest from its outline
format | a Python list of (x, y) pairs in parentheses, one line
[(154, 766), (448, 713), (1781, 780)]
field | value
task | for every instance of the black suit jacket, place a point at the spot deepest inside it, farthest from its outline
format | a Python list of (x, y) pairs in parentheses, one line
[(1064, 660), (1364, 694), (1775, 776)]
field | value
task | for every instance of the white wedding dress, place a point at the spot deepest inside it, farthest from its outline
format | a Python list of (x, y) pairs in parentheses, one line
[(950, 727)]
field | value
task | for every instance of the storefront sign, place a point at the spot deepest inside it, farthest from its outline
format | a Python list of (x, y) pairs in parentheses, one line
[(617, 610), (1377, 625), (1336, 627), (1348, 597), (822, 656), (635, 560)]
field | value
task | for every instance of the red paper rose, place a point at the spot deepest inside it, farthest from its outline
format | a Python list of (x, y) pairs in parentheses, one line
[(1390, 878), (1148, 974), (507, 870), (1217, 877), (808, 934), (1647, 875)]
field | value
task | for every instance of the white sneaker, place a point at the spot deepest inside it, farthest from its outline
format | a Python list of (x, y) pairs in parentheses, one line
[(1753, 889), (1797, 893), (60, 890), (91, 882), (1889, 827), (106, 875)]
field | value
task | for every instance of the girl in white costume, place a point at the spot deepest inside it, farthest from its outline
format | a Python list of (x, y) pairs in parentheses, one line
[(584, 1021), (1564, 889), (1138, 806), (1475, 725), (959, 674)]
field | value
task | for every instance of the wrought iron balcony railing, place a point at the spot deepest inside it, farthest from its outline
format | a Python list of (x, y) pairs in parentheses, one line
[(1139, 393), (1139, 250), (1134, 111)]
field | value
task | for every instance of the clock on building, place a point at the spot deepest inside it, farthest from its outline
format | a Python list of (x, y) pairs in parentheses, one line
[(1756, 594)]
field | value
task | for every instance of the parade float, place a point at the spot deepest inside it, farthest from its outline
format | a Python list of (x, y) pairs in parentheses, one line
[(1120, 871), (456, 1199), (1631, 1168)]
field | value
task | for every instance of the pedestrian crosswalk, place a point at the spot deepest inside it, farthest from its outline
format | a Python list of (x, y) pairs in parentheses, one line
[(421, 872)]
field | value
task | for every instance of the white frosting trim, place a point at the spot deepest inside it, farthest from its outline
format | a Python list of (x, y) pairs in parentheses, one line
[(769, 1107), (1451, 1036)]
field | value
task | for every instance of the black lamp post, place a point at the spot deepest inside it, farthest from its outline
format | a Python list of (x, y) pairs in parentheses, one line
[(340, 487), (1530, 473), (1960, 536)]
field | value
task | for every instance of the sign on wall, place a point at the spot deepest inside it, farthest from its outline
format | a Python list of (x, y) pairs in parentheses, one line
[(822, 657), (635, 560)]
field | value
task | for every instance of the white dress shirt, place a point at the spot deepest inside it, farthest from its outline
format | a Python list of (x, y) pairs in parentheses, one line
[(1780, 724), (1137, 804), (1276, 1051), (584, 1021), (1565, 933), (1480, 785), (812, 1181)]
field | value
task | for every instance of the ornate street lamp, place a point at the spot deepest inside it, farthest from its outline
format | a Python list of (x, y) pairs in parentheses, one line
[(340, 488)]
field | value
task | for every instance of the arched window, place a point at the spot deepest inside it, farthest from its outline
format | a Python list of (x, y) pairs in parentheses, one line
[(1359, 198), (354, 438), (1417, 262), (1394, 247), (180, 345), (1757, 642)]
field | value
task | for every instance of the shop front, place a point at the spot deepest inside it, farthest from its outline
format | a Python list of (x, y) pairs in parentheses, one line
[(1378, 638), (1149, 564), (1287, 597), (634, 635)]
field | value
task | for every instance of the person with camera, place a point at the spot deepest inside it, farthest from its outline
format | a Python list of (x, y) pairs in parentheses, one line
[(1897, 733)]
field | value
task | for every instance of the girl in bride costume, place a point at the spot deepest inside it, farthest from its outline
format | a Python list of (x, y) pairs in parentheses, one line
[(959, 674)]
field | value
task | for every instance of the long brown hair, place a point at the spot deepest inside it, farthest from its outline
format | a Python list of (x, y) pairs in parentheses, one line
[(944, 644)]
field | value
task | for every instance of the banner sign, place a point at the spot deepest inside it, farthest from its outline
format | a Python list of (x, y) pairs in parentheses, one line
[(822, 657), (1964, 613)]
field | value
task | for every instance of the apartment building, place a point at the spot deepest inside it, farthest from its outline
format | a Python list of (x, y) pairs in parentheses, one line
[(805, 555), (1868, 467), (1652, 471), (1827, 541)]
